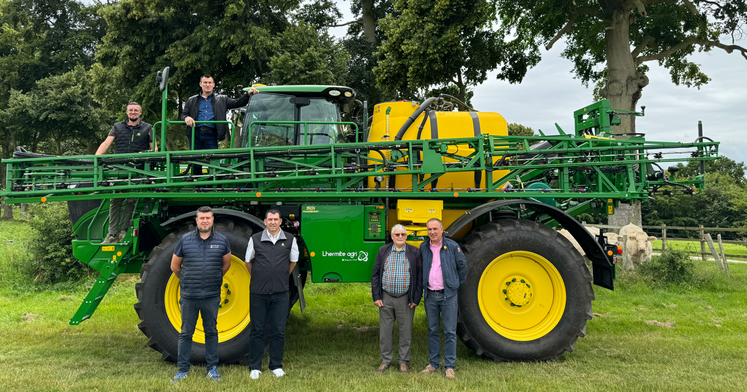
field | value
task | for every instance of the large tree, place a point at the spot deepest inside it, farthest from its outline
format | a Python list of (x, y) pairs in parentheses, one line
[(361, 42), (231, 40), (440, 42), (611, 42), (40, 39), (307, 54), (61, 113)]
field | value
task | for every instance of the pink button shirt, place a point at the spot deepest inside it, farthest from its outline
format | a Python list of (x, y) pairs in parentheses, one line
[(436, 277)]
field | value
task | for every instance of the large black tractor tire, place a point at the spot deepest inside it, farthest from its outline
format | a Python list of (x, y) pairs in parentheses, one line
[(527, 295), (152, 298)]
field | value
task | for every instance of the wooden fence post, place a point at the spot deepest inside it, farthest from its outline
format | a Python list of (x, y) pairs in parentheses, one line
[(715, 254), (702, 242), (723, 255), (663, 237)]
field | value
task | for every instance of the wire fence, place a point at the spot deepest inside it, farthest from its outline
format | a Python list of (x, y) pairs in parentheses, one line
[(701, 231)]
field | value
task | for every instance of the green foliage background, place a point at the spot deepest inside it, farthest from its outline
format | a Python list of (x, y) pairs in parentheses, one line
[(51, 245)]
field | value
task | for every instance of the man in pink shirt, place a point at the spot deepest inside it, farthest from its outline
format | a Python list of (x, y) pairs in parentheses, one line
[(444, 270)]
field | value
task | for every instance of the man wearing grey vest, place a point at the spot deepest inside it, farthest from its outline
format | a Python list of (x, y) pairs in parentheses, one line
[(130, 135), (200, 260), (270, 258)]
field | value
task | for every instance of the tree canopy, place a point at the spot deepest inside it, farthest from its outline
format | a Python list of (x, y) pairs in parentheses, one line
[(611, 42), (436, 43), (230, 40)]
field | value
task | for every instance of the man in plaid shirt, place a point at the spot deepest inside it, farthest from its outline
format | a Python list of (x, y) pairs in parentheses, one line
[(396, 287)]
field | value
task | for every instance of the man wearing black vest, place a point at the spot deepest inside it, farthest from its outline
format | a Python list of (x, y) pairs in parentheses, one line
[(207, 106), (130, 135), (270, 258), (200, 260)]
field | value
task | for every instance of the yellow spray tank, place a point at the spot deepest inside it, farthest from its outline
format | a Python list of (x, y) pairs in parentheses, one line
[(389, 117)]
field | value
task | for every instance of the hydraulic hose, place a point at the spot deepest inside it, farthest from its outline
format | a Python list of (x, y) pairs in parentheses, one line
[(413, 116)]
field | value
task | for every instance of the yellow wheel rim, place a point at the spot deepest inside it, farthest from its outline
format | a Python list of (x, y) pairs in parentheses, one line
[(521, 295), (233, 315)]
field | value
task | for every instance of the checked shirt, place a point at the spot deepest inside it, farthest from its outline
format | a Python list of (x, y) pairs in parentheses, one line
[(396, 279)]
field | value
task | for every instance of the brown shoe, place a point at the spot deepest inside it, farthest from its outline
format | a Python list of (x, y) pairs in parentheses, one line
[(382, 368), (403, 368), (450, 374), (429, 369)]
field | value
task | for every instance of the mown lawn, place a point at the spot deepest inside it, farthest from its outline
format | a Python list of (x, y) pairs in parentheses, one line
[(642, 339)]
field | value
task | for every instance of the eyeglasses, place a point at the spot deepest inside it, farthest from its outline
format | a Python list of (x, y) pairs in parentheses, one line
[(399, 235)]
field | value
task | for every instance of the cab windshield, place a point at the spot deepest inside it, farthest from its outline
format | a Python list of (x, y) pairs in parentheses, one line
[(265, 109)]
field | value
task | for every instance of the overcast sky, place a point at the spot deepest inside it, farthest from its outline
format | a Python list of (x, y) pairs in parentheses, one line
[(549, 95)]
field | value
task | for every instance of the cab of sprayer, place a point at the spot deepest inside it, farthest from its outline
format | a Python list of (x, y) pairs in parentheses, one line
[(297, 115)]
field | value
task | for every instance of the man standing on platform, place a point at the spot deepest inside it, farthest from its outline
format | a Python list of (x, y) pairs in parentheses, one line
[(130, 135), (207, 106)]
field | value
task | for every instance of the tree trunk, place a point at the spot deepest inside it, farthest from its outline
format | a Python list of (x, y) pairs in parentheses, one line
[(7, 211), (462, 88), (369, 21), (626, 214), (624, 82)]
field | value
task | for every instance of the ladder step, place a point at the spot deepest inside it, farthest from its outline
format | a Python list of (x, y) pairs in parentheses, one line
[(94, 297)]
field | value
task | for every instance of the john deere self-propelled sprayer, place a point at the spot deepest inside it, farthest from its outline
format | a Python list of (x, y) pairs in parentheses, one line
[(340, 187)]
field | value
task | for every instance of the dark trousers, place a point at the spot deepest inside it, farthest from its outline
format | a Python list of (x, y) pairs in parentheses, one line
[(270, 311), (191, 308), (204, 140), (395, 309), (115, 214)]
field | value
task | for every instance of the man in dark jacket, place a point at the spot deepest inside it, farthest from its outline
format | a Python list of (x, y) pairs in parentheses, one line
[(207, 106), (200, 260), (396, 288), (444, 270), (270, 258), (130, 135)]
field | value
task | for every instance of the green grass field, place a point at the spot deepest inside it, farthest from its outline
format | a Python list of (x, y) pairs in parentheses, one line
[(641, 339), (729, 249)]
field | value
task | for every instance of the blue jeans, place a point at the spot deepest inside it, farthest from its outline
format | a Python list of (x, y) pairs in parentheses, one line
[(271, 311), (204, 140), (438, 308), (208, 307)]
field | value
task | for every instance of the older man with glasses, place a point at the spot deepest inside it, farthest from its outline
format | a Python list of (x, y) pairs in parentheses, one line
[(396, 287)]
